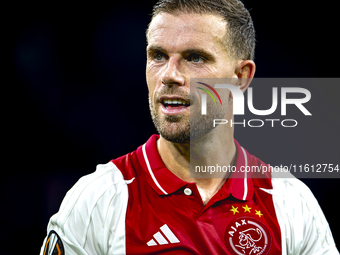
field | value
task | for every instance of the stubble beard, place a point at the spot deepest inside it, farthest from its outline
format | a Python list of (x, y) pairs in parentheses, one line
[(175, 129), (179, 129)]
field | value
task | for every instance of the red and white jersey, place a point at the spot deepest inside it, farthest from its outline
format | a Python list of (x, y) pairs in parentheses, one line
[(135, 205)]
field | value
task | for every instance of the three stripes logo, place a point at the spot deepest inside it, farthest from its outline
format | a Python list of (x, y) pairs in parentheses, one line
[(165, 238), (204, 97)]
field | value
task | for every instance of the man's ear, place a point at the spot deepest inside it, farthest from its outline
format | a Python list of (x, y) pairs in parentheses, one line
[(245, 72)]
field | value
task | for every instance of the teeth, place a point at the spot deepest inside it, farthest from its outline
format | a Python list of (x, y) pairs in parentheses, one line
[(174, 101)]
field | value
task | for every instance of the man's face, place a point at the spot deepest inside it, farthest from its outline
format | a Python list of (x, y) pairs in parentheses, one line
[(181, 47)]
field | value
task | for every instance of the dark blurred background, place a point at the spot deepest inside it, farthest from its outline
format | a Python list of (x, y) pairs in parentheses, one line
[(75, 96)]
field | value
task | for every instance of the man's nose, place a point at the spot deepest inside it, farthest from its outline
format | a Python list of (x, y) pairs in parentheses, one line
[(172, 74)]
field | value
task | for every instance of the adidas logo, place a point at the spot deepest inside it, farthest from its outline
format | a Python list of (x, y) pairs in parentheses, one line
[(161, 239)]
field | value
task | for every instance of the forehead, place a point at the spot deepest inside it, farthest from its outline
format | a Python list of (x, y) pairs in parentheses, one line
[(187, 30)]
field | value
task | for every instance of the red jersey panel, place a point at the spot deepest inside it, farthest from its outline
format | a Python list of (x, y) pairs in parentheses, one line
[(166, 215)]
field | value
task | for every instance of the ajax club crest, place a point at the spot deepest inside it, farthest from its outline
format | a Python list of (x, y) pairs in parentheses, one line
[(248, 236)]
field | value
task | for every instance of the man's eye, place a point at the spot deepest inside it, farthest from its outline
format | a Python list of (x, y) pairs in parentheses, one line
[(158, 56), (196, 59)]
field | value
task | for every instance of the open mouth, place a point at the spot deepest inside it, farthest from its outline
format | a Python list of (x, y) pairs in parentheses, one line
[(171, 103), (174, 106)]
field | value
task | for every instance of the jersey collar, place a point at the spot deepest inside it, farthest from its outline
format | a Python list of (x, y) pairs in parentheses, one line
[(161, 179), (164, 182)]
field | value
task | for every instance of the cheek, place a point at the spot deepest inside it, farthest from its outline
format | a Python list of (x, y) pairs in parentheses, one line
[(150, 78), (213, 71), (153, 75), (152, 71), (152, 81)]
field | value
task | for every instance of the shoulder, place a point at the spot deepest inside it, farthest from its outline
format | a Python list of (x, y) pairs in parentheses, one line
[(91, 190), (293, 198), (128, 164), (287, 186), (91, 209), (296, 196), (301, 219), (107, 179)]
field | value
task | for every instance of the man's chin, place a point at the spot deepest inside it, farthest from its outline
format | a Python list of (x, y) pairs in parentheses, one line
[(176, 138), (184, 136), (172, 128), (175, 133), (181, 133)]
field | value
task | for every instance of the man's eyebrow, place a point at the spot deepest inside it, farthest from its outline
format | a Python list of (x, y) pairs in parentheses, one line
[(154, 48), (198, 51)]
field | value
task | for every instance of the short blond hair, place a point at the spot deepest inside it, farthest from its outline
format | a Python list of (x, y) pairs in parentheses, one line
[(240, 36)]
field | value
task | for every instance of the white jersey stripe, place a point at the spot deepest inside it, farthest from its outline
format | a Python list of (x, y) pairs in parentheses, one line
[(151, 243), (150, 171), (245, 175), (160, 239), (168, 233)]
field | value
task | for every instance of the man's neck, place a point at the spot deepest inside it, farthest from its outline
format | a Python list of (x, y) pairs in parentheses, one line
[(207, 152)]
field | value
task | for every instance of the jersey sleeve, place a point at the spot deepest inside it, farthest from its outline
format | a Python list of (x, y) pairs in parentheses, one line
[(91, 218), (304, 228)]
